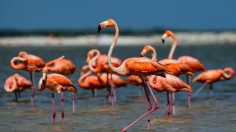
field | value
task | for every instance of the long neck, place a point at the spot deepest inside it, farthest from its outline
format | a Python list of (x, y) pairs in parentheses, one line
[(20, 65), (81, 81), (154, 53), (173, 47), (96, 69), (114, 69)]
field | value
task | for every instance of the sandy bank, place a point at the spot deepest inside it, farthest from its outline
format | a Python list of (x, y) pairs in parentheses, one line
[(183, 39)]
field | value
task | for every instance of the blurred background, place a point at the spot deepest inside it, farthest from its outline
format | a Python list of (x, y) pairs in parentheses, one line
[(58, 19)]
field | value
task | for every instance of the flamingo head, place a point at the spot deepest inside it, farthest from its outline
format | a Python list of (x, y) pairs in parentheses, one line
[(22, 54), (107, 23), (167, 34)]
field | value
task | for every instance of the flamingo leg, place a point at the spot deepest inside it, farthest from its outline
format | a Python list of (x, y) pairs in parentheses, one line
[(108, 94), (211, 90), (94, 92), (16, 96), (169, 111), (19, 94), (113, 94), (189, 93), (173, 103), (73, 101), (199, 90), (147, 113), (33, 89), (149, 105), (62, 106), (54, 109)]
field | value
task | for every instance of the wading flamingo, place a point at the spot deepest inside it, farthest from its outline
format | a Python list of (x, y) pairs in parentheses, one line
[(177, 68), (97, 64), (61, 66), (212, 76), (170, 84), (90, 82), (167, 34), (30, 63), (139, 66), (17, 84), (57, 83)]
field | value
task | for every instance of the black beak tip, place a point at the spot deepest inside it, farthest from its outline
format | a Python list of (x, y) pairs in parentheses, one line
[(141, 55), (99, 28), (163, 41)]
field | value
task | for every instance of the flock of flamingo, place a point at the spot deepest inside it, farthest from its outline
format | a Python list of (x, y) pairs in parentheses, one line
[(149, 73)]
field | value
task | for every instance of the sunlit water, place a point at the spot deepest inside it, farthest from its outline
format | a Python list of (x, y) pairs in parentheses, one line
[(94, 114)]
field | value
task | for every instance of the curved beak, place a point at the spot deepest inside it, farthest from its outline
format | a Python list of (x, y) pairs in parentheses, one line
[(99, 28)]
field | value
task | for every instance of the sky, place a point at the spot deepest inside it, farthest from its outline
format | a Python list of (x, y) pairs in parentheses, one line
[(28, 15)]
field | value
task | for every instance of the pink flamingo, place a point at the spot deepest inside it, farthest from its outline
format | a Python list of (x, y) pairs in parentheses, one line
[(30, 63), (97, 64), (57, 83), (17, 84), (172, 65), (170, 84), (61, 66), (139, 66), (212, 76)]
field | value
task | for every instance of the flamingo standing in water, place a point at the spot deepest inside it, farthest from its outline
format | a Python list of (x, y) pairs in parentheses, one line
[(17, 84), (177, 68), (30, 63), (97, 64), (212, 76), (57, 83), (88, 81), (193, 63), (61, 66), (138, 66), (170, 84)]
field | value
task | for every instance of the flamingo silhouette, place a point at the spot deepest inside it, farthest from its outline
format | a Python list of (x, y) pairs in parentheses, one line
[(139, 66)]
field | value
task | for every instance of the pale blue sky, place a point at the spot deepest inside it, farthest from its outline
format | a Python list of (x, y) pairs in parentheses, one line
[(136, 14)]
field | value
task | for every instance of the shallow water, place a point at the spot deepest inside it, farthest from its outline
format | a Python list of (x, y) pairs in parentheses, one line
[(94, 114)]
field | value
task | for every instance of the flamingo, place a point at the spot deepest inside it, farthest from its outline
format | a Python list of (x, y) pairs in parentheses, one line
[(170, 84), (212, 76), (177, 68), (98, 63), (88, 81), (193, 63), (61, 66), (57, 83), (30, 63), (17, 84), (139, 66)]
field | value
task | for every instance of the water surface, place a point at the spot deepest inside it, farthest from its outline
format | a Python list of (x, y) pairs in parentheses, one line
[(94, 114)]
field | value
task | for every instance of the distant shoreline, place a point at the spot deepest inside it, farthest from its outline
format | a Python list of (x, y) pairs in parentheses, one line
[(184, 38)]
